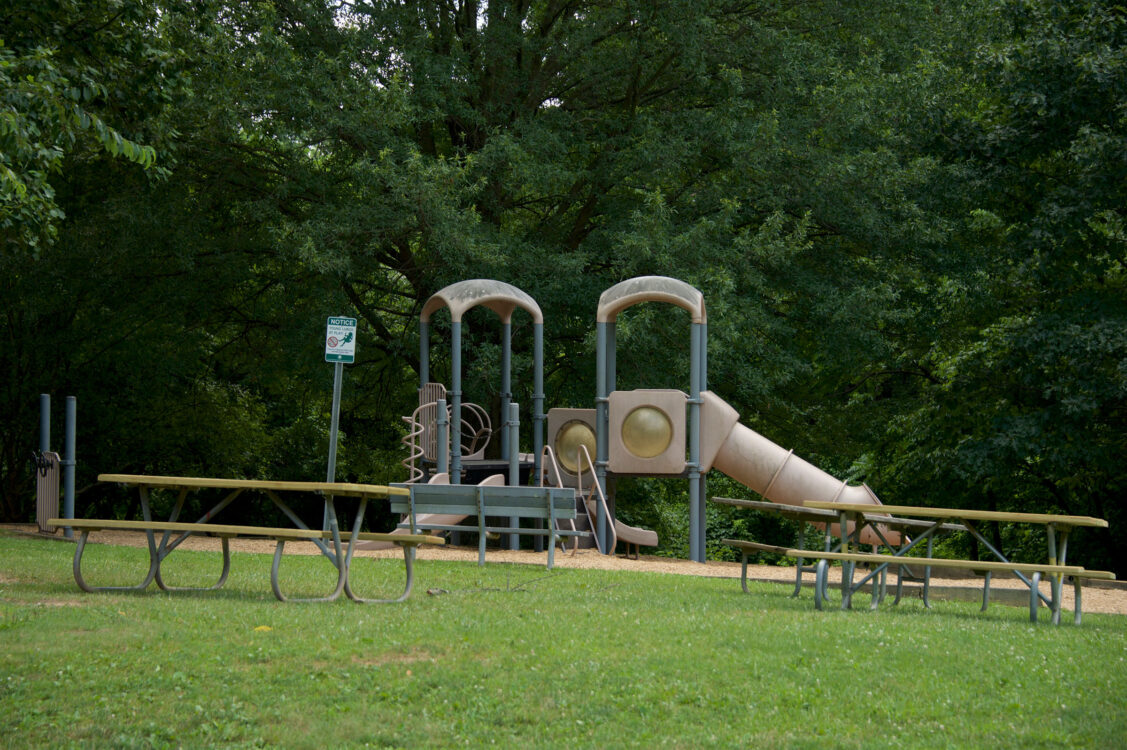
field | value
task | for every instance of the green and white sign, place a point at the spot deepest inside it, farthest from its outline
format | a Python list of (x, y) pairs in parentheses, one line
[(340, 340)]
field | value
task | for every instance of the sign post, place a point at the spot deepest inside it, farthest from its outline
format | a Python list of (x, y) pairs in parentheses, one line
[(340, 348)]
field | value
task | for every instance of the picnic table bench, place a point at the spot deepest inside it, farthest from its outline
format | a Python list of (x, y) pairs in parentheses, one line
[(857, 515), (479, 501), (329, 541), (827, 520)]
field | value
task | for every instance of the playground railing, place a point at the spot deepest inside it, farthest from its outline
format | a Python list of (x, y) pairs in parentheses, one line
[(413, 442), (595, 497), (548, 461)]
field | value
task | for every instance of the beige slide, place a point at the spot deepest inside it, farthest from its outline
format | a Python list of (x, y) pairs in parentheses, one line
[(772, 471)]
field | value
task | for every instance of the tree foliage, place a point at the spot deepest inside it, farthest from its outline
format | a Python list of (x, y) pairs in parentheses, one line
[(1027, 409), (74, 76), (907, 224)]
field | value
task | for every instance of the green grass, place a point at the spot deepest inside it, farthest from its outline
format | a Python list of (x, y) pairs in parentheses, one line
[(518, 656)]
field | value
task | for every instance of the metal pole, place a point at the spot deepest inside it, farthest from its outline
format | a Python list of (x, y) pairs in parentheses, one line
[(537, 397), (331, 475), (696, 502), (442, 424), (424, 353), (506, 380), (612, 358), (513, 428), (68, 464), (338, 376), (611, 387), (704, 475), (44, 422), (602, 427), (455, 395)]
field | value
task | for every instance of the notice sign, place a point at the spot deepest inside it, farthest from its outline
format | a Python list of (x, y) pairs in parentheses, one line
[(340, 340)]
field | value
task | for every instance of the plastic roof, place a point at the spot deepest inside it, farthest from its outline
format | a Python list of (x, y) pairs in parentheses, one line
[(498, 296), (650, 289)]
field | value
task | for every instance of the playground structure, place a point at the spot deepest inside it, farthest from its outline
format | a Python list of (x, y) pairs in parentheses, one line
[(642, 432)]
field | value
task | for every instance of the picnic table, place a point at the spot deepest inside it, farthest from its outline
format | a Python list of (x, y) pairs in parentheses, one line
[(330, 541), (893, 533), (1058, 528)]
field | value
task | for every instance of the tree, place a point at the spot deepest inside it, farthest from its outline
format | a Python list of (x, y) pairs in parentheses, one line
[(81, 84), (73, 75), (365, 154), (1027, 408)]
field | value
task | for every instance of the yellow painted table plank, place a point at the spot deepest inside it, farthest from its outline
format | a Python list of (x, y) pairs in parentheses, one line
[(938, 562), (219, 529), (961, 514), (329, 488)]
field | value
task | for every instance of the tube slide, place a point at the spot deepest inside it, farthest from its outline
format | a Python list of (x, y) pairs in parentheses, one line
[(770, 470)]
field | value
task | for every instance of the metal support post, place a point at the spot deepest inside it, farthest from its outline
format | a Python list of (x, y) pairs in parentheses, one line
[(68, 463), (442, 425), (696, 501), (455, 394), (538, 415), (334, 422), (506, 380), (424, 354), (704, 475), (602, 428), (44, 422), (512, 428)]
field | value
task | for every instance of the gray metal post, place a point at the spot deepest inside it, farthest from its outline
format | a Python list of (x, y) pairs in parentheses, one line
[(424, 353), (538, 415), (44, 422), (704, 475), (442, 424), (612, 386), (68, 463), (512, 426), (506, 380), (704, 356), (338, 378), (696, 502), (612, 360), (602, 426), (334, 421), (455, 394)]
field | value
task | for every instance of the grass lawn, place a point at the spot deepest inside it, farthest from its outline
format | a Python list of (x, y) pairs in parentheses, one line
[(519, 656)]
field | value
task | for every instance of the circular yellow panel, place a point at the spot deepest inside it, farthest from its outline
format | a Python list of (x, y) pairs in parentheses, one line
[(647, 432), (572, 435)]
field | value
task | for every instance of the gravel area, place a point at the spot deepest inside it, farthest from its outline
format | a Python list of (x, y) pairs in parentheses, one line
[(1105, 597)]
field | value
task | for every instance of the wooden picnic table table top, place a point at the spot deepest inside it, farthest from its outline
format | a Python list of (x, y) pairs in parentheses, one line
[(817, 515), (962, 514), (797, 511), (330, 488)]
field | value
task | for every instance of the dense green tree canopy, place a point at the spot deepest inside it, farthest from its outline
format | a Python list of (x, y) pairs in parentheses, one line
[(1028, 405), (907, 224)]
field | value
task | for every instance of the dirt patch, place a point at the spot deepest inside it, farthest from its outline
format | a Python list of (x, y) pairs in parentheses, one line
[(413, 657), (1108, 598), (59, 603)]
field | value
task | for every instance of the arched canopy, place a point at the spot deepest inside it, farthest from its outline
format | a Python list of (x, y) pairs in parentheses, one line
[(650, 289), (498, 296)]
